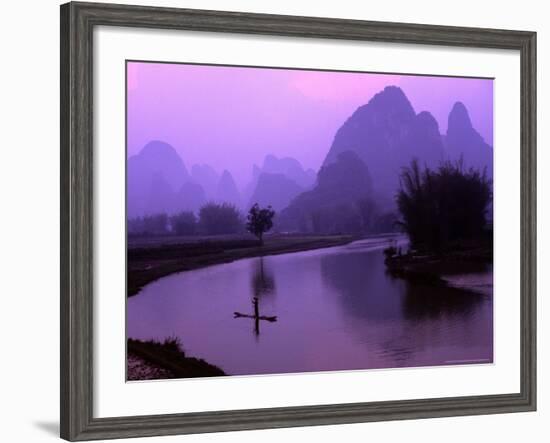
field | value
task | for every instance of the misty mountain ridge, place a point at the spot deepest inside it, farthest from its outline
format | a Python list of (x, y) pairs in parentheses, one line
[(382, 136), (207, 177), (227, 191), (278, 181), (290, 168), (153, 176), (387, 134), (274, 189), (158, 182), (462, 141), (341, 201)]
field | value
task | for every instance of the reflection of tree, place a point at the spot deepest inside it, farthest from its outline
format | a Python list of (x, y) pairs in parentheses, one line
[(262, 281), (365, 292), (404, 323), (368, 292), (427, 301)]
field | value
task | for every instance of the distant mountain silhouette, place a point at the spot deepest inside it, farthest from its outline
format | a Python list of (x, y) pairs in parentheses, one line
[(463, 141), (251, 186), (159, 197), (386, 134), (337, 203), (227, 191), (207, 177), (190, 197), (153, 175), (289, 168), (159, 157), (377, 140), (158, 182), (276, 190)]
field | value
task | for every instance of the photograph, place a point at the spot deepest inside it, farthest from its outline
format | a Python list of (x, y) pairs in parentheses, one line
[(284, 220)]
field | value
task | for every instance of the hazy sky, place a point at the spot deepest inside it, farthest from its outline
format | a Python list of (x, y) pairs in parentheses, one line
[(231, 117)]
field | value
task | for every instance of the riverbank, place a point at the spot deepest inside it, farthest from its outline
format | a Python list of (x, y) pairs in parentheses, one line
[(452, 268), (151, 260), (152, 360)]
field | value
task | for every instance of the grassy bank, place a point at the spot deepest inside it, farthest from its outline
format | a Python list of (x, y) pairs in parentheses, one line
[(153, 259), (170, 359)]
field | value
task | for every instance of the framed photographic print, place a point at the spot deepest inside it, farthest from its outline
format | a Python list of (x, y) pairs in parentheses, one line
[(272, 221)]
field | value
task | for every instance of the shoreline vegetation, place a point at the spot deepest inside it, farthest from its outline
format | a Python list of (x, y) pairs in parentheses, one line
[(444, 213), (148, 360), (428, 267), (152, 258)]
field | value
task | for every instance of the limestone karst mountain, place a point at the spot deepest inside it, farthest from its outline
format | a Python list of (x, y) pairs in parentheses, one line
[(227, 191), (274, 189), (190, 197), (207, 177), (158, 182), (386, 134), (291, 168), (462, 141), (341, 201), (278, 180)]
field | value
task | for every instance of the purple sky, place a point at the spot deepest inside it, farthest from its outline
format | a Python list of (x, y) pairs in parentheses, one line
[(232, 117)]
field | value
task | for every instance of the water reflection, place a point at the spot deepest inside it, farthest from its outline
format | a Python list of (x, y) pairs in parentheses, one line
[(430, 302), (262, 284), (363, 288), (407, 320), (336, 309), (262, 281), (256, 316)]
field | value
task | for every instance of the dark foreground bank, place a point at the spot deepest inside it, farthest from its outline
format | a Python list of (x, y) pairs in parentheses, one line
[(152, 360), (151, 260)]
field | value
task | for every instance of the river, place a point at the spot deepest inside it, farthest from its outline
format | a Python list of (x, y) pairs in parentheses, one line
[(336, 309)]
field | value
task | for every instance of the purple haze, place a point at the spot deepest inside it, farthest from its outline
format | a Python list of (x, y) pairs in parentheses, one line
[(232, 117)]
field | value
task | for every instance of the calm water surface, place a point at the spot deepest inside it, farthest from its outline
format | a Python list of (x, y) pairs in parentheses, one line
[(336, 309)]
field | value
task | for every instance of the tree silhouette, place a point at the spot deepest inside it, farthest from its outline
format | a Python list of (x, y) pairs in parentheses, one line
[(259, 221), (216, 219), (184, 223), (153, 224), (439, 207)]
